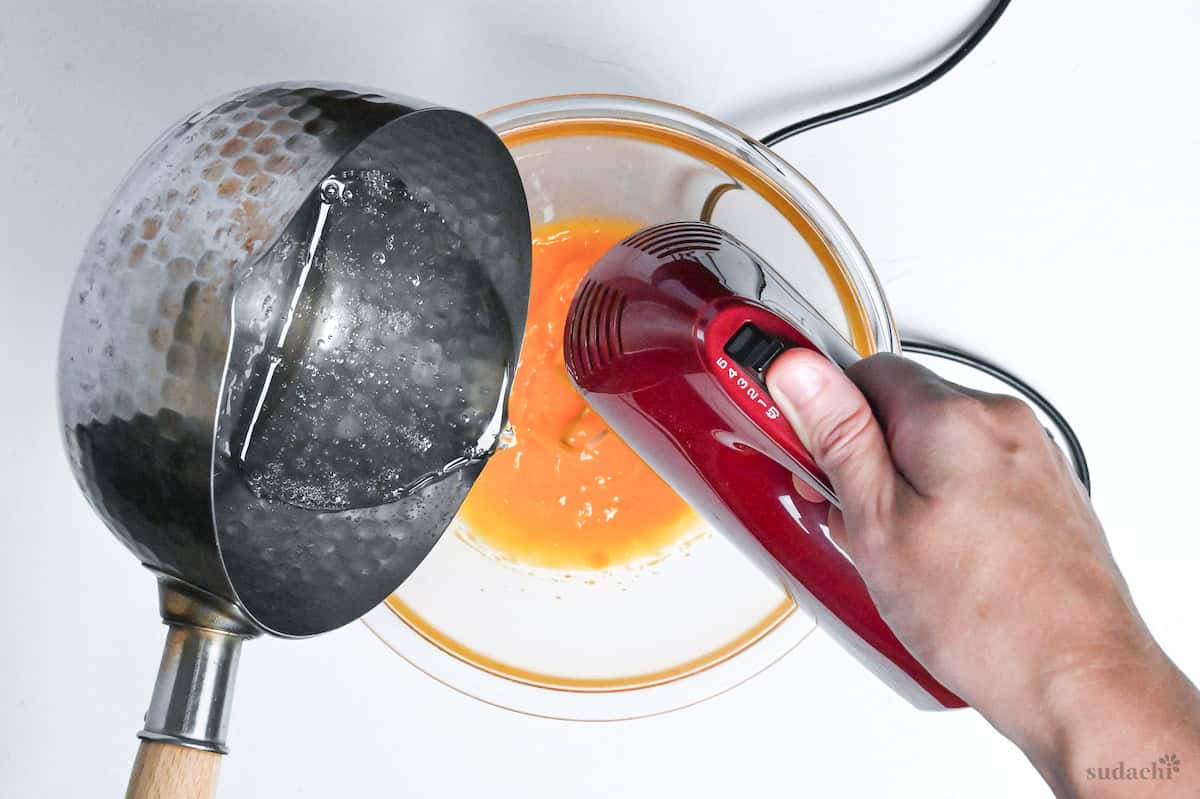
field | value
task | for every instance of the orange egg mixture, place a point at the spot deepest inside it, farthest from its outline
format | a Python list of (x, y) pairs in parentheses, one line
[(569, 494)]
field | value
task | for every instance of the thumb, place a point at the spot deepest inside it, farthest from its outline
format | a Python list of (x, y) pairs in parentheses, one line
[(834, 422)]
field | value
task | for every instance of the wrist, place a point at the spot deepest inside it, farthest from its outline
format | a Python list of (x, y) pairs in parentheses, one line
[(1091, 684), (1123, 705)]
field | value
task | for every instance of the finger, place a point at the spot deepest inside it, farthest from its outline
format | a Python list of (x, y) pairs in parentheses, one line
[(806, 492), (834, 422), (895, 386), (837, 530), (929, 424)]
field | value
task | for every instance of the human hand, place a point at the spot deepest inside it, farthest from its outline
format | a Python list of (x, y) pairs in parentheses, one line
[(982, 552)]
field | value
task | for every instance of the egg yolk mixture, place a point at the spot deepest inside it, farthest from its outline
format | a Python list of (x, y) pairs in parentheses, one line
[(569, 494)]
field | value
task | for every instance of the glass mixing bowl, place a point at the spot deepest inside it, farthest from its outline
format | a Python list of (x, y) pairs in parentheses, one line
[(649, 636)]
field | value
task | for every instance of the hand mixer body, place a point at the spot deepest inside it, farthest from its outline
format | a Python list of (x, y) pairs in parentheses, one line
[(668, 339)]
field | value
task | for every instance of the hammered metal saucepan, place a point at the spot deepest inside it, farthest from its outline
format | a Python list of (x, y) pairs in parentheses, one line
[(285, 358)]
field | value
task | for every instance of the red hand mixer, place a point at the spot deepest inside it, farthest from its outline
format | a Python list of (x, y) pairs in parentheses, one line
[(668, 338)]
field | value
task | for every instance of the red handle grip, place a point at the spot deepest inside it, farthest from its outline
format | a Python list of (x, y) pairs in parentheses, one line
[(794, 532), (744, 386), (760, 444)]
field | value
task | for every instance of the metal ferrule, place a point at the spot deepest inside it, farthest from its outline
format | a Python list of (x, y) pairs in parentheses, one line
[(194, 690)]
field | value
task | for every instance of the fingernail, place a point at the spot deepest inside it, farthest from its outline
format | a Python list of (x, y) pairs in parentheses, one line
[(791, 385), (797, 382)]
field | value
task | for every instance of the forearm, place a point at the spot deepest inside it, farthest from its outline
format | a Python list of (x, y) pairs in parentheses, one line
[(1105, 730)]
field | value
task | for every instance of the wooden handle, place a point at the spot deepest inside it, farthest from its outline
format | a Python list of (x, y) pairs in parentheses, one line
[(168, 771)]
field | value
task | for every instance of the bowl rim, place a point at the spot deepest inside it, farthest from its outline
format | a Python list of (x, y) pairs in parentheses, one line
[(790, 182), (778, 639)]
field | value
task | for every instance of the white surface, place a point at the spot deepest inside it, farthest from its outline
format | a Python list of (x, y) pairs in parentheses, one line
[(1035, 207)]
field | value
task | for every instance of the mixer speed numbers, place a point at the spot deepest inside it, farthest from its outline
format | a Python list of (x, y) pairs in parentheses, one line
[(746, 386)]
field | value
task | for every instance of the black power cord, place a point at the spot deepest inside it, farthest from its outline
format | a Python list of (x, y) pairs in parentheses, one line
[(1071, 441), (950, 62)]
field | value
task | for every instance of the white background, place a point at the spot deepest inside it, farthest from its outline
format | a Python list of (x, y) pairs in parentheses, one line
[(1039, 206)]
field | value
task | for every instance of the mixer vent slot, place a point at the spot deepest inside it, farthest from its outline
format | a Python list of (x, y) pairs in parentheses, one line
[(596, 326), (668, 241)]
